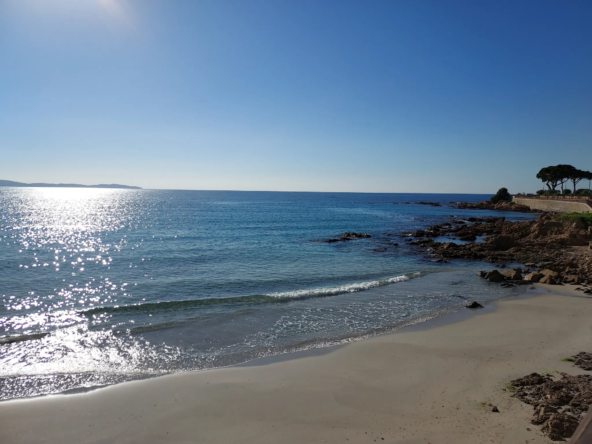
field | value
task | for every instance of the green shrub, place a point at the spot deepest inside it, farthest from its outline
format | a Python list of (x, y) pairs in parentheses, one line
[(548, 192), (502, 195), (584, 217), (567, 191), (583, 192)]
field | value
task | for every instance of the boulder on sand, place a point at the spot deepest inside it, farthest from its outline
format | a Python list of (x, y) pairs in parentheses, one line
[(474, 304), (533, 277), (549, 280), (513, 275), (548, 272)]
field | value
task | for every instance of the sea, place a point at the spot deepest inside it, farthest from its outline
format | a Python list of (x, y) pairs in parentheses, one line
[(102, 286)]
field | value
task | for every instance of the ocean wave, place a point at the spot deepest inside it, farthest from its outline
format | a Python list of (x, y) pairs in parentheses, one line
[(342, 289), (252, 299), (20, 338)]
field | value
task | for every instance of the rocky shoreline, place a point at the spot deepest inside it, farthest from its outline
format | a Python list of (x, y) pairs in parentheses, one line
[(500, 206), (553, 250)]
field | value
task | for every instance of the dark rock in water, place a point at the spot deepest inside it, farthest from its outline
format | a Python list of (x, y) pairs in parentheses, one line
[(468, 238), (350, 235), (433, 204), (494, 276), (482, 274), (474, 304), (507, 285)]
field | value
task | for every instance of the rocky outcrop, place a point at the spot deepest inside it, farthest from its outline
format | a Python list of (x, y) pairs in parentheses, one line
[(547, 244), (432, 204), (500, 206), (559, 405), (582, 360)]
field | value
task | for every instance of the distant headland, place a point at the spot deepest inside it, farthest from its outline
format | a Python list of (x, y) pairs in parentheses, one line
[(10, 183)]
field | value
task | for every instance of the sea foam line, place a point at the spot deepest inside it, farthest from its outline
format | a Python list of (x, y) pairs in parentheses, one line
[(342, 289)]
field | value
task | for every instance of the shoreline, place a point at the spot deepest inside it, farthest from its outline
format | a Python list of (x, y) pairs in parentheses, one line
[(442, 317), (414, 385)]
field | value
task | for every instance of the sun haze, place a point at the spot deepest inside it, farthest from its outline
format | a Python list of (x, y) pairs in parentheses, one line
[(401, 96)]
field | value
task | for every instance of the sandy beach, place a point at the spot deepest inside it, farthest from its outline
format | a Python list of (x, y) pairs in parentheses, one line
[(419, 385)]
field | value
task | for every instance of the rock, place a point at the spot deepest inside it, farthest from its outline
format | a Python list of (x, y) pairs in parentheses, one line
[(549, 280), (558, 405), (560, 426), (494, 276), (583, 360), (571, 279), (350, 235), (474, 304), (579, 225), (432, 204), (468, 238), (495, 409), (482, 274), (513, 275), (533, 277), (547, 272), (502, 243)]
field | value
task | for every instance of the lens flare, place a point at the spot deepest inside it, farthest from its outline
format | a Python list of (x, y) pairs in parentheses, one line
[(114, 7)]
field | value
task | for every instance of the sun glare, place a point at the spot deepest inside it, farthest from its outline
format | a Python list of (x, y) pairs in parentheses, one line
[(114, 7)]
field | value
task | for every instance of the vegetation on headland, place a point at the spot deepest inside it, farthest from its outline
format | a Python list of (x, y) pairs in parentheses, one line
[(586, 218), (502, 195), (559, 175)]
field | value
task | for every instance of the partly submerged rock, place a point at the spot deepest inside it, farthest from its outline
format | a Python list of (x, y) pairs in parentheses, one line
[(474, 304), (494, 276), (350, 235)]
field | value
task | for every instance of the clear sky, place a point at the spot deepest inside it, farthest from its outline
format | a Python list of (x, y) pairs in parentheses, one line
[(323, 95)]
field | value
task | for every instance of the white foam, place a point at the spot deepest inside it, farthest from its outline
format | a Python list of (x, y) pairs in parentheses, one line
[(342, 289)]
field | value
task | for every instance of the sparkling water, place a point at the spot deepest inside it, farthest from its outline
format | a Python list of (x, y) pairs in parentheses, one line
[(102, 286)]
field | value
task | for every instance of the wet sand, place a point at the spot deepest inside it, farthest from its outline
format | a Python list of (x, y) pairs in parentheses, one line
[(420, 385)]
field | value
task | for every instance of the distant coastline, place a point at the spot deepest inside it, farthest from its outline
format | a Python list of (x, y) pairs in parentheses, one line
[(10, 183)]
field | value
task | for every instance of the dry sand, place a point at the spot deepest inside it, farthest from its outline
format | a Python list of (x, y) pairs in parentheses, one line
[(414, 386)]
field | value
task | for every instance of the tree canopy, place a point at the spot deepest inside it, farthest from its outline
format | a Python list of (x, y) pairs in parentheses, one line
[(558, 175), (502, 195)]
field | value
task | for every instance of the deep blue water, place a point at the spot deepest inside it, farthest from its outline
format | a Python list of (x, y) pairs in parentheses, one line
[(102, 286)]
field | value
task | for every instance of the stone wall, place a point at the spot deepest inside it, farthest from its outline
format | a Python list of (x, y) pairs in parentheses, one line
[(558, 206)]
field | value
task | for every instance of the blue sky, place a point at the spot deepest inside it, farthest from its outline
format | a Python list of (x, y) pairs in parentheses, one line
[(377, 96)]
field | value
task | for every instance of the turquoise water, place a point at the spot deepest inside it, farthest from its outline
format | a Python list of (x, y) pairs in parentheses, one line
[(103, 286)]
